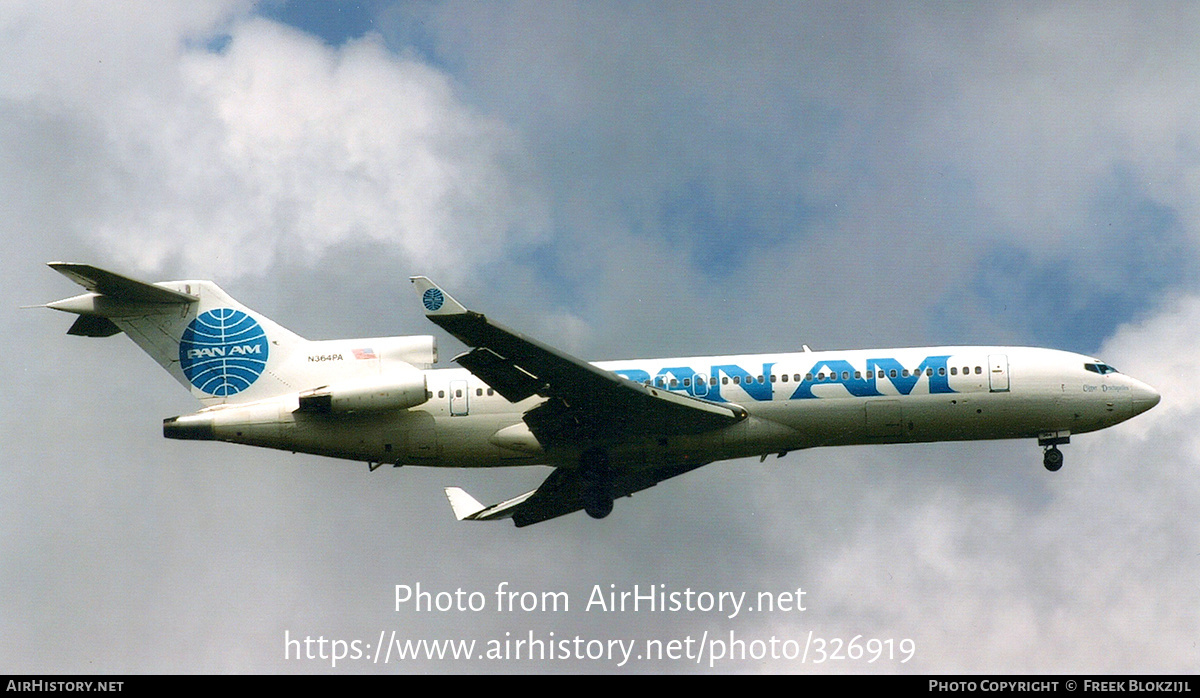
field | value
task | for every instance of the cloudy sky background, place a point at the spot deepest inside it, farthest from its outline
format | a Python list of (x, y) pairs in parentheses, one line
[(620, 180)]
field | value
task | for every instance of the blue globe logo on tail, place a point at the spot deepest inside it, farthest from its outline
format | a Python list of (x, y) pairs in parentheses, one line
[(223, 351), (433, 299)]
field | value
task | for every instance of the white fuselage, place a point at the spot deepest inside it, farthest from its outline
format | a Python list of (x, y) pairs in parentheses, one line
[(794, 401)]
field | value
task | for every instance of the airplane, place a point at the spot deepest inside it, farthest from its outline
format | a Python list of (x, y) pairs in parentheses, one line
[(609, 429)]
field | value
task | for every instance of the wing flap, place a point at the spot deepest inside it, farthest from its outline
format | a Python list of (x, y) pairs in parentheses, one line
[(561, 493), (510, 380)]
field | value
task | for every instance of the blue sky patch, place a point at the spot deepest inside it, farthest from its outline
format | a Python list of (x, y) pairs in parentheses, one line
[(334, 22)]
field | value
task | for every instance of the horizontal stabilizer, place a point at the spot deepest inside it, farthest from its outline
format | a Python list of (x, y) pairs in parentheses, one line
[(113, 285)]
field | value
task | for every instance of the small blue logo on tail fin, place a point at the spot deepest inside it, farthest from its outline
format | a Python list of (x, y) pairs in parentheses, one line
[(433, 299), (223, 351)]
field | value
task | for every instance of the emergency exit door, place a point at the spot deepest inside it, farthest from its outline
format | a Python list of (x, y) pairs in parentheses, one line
[(998, 373), (458, 398)]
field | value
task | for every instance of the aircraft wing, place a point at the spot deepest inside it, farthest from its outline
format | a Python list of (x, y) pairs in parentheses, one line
[(558, 495), (585, 403)]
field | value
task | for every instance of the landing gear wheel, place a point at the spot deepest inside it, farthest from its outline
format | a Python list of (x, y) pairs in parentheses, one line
[(1052, 459), (599, 506), (597, 483)]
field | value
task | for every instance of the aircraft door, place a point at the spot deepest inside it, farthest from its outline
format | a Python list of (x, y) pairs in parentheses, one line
[(998, 373), (458, 399)]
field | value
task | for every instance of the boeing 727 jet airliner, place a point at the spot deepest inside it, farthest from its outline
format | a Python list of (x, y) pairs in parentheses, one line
[(608, 429)]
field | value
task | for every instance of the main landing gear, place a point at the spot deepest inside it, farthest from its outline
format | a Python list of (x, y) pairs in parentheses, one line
[(597, 488)]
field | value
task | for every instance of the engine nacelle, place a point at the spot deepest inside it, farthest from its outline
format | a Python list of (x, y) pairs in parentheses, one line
[(394, 390)]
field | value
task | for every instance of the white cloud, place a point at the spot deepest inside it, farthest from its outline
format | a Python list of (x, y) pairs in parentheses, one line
[(85, 57), (1040, 105), (1162, 351), (280, 147), (939, 136)]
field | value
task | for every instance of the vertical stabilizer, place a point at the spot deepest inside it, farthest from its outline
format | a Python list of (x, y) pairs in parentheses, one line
[(220, 350)]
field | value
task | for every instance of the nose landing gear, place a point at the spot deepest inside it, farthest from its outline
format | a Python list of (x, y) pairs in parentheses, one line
[(1053, 458)]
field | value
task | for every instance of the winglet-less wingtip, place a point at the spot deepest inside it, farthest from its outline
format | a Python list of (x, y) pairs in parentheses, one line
[(435, 300), (467, 508), (463, 504)]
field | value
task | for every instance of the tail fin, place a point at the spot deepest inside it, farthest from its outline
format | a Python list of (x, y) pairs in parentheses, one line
[(220, 350)]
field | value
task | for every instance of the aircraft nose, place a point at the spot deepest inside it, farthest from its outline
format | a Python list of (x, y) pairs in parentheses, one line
[(1144, 397)]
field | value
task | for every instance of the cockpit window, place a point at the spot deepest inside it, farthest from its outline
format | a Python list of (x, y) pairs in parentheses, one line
[(1101, 368)]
